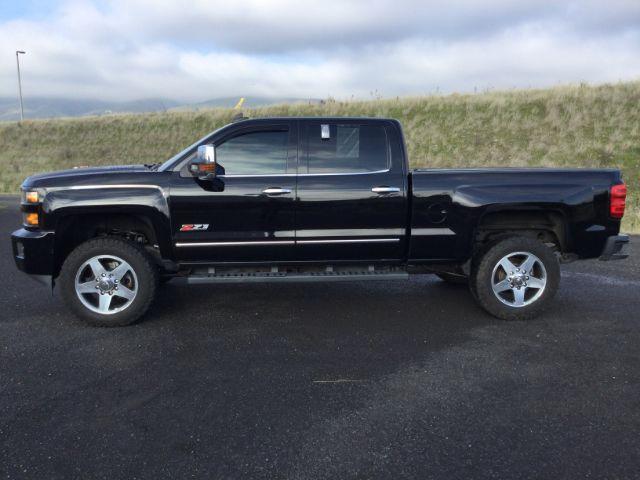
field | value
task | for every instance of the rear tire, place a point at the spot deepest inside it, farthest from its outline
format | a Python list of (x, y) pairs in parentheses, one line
[(515, 279), (108, 282)]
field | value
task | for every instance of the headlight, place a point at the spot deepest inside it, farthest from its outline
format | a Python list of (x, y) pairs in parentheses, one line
[(31, 196)]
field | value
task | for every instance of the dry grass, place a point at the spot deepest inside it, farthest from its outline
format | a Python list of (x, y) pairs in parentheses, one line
[(578, 126)]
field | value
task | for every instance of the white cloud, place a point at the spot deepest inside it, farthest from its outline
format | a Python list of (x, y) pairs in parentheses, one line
[(142, 48)]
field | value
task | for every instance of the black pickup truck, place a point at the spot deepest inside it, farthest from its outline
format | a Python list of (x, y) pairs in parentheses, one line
[(311, 199)]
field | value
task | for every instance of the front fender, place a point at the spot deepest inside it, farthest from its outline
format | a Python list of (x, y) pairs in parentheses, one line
[(144, 200)]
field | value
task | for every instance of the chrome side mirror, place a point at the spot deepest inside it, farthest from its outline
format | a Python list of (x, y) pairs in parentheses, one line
[(204, 165), (206, 154)]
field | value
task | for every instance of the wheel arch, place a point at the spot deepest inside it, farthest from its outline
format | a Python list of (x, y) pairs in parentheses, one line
[(546, 225), (142, 225)]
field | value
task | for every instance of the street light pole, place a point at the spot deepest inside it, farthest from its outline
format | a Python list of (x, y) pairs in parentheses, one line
[(20, 52)]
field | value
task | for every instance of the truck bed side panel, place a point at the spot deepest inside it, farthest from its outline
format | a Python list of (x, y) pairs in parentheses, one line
[(449, 205)]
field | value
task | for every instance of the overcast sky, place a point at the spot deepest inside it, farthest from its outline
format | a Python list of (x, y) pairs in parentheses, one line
[(193, 50)]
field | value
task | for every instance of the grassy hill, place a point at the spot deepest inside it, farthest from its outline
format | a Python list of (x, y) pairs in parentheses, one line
[(573, 126)]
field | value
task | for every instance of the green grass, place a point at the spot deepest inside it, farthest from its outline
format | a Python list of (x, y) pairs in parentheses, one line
[(572, 126)]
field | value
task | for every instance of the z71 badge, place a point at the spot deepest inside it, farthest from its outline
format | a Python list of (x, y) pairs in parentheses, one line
[(192, 227)]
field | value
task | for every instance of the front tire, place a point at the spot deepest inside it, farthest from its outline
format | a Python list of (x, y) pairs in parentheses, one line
[(108, 282), (516, 278)]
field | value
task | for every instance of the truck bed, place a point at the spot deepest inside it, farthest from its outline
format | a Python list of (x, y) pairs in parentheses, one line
[(449, 206)]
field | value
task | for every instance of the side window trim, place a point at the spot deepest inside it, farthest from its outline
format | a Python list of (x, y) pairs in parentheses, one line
[(303, 169)]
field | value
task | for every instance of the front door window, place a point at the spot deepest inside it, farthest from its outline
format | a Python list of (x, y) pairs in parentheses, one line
[(254, 153)]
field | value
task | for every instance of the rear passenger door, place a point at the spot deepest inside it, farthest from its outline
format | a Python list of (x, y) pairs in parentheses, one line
[(351, 198)]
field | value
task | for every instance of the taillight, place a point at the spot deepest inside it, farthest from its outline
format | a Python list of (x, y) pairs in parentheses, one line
[(617, 199)]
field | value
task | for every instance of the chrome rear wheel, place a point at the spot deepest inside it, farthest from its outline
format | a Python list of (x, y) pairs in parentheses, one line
[(515, 278), (518, 279)]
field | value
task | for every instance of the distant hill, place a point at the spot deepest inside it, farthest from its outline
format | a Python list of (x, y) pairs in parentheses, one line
[(44, 107)]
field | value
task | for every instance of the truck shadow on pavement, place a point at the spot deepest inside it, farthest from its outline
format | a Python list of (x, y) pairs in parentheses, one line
[(330, 322)]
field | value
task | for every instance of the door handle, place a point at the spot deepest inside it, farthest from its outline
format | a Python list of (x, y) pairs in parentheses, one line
[(384, 189), (276, 191)]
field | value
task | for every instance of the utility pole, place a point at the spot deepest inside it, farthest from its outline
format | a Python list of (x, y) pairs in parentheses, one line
[(20, 52)]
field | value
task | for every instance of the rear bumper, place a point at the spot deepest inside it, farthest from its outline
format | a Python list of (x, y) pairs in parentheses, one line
[(615, 248), (33, 253)]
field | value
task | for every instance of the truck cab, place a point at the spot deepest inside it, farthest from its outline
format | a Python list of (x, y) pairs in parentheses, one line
[(295, 191)]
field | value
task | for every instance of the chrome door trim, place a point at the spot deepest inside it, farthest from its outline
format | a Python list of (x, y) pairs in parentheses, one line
[(350, 240), (348, 232), (286, 242), (342, 173), (431, 231), (235, 244), (301, 174)]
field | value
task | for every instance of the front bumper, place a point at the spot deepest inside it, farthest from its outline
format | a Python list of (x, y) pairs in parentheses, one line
[(615, 248), (33, 252)]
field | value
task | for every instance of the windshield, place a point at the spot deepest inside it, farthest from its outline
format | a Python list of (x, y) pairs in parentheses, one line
[(170, 163)]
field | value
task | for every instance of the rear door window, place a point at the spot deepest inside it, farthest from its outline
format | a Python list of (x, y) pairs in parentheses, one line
[(346, 148)]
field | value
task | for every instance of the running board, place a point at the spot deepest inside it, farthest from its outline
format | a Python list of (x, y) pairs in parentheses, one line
[(327, 275)]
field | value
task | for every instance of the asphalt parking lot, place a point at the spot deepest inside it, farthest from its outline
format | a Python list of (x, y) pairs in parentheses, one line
[(348, 380)]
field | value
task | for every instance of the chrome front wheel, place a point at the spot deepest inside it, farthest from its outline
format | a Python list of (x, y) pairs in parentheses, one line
[(108, 281), (106, 284)]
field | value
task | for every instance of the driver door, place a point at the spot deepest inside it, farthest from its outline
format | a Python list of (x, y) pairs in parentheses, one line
[(249, 215)]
